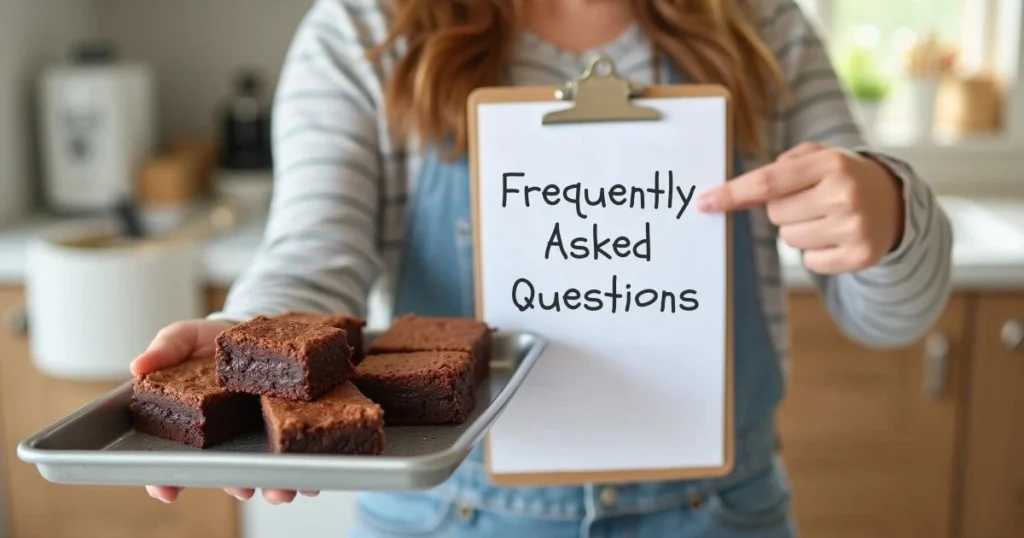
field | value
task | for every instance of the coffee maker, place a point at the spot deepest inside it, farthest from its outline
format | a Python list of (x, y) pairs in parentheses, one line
[(97, 125)]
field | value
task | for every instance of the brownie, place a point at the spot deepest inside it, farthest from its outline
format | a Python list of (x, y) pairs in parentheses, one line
[(286, 359), (429, 387), (352, 326), (412, 333), (184, 403), (343, 421)]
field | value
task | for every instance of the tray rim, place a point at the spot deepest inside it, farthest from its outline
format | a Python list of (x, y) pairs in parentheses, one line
[(29, 452)]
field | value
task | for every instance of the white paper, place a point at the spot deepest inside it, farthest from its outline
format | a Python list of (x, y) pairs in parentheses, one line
[(635, 390)]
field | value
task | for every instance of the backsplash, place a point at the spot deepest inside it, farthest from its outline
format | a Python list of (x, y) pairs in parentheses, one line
[(197, 47)]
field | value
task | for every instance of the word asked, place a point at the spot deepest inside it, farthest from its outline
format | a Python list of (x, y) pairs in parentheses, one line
[(599, 247)]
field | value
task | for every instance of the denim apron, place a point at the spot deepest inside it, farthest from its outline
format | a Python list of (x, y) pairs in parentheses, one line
[(436, 278)]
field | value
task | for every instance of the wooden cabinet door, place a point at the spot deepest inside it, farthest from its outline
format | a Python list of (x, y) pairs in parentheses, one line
[(870, 451), (993, 470), (35, 508)]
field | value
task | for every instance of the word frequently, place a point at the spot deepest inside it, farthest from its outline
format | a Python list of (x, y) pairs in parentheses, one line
[(601, 244), (657, 196)]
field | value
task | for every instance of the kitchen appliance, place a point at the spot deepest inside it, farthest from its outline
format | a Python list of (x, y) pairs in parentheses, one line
[(97, 123), (98, 291), (97, 295), (245, 126), (96, 300), (244, 175)]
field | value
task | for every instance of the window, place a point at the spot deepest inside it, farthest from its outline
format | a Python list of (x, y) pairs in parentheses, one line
[(905, 61), (890, 26)]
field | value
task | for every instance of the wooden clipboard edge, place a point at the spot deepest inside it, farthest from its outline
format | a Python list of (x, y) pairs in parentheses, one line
[(527, 94)]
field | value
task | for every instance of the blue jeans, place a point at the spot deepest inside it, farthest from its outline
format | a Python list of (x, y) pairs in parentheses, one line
[(755, 508)]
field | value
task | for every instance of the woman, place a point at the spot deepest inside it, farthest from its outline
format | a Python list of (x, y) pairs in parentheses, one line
[(371, 107)]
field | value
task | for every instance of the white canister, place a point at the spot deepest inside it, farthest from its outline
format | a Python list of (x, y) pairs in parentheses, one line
[(95, 301), (925, 95), (868, 113), (97, 124)]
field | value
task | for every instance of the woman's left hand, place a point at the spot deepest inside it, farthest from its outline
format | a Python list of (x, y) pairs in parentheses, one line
[(844, 210)]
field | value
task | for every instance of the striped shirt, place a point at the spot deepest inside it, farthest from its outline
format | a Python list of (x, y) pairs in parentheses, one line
[(337, 218)]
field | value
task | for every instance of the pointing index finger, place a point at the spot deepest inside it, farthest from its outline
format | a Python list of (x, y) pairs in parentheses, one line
[(764, 184)]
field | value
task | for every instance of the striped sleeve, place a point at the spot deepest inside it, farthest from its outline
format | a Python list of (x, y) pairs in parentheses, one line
[(895, 302), (320, 250)]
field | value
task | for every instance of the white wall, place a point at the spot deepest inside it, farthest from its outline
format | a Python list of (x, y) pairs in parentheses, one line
[(32, 34), (196, 47)]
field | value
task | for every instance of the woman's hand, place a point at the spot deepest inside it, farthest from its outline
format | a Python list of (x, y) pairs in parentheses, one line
[(177, 343), (845, 211)]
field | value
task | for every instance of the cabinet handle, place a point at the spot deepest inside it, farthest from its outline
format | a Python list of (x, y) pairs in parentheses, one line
[(1013, 335), (936, 364), (16, 321)]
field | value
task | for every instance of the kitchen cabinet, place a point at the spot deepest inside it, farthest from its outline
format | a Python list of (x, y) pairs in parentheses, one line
[(870, 436), (29, 401), (993, 466)]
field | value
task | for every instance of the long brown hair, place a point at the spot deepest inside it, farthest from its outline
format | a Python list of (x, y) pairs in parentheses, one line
[(456, 46)]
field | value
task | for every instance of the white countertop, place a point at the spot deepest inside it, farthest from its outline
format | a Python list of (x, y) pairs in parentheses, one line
[(988, 248)]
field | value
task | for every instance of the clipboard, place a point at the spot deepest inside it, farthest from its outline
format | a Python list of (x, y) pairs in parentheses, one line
[(600, 97)]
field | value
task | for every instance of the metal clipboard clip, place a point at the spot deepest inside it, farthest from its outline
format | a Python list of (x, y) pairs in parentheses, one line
[(600, 97)]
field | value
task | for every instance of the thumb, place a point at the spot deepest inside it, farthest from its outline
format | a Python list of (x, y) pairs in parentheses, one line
[(172, 345)]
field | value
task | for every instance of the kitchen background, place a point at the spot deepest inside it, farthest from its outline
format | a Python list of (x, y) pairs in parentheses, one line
[(917, 442)]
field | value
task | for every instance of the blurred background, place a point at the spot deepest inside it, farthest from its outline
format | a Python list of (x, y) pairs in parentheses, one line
[(149, 117)]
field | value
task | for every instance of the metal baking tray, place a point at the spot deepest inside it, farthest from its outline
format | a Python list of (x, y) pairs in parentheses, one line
[(96, 445)]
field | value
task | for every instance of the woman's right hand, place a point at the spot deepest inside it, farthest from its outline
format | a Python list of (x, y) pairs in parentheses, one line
[(177, 343)]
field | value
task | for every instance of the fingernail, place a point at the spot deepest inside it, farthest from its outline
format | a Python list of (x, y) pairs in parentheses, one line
[(706, 202), (239, 497)]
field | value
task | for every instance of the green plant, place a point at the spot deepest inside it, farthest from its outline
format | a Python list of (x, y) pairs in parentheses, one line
[(861, 77), (868, 90)]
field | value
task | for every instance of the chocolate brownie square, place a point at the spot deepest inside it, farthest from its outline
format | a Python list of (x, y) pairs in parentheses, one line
[(343, 421), (286, 359), (183, 403), (412, 333), (430, 387), (352, 326)]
